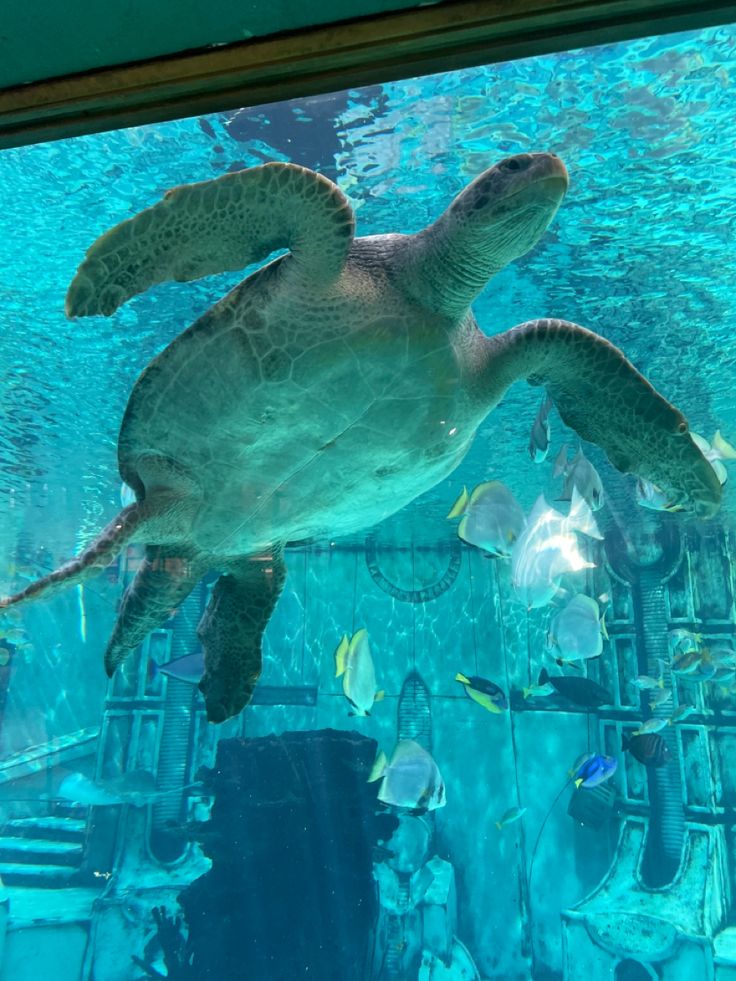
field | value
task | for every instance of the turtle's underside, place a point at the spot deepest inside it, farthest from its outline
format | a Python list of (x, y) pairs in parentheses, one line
[(330, 388)]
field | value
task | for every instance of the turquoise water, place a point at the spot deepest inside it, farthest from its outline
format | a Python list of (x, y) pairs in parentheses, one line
[(635, 883)]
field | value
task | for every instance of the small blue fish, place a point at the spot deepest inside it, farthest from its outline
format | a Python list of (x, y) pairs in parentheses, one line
[(593, 769), (484, 692)]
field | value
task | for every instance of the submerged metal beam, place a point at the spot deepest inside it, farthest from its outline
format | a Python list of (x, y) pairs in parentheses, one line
[(433, 38)]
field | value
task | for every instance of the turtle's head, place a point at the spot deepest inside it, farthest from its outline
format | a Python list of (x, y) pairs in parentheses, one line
[(512, 203), (495, 219)]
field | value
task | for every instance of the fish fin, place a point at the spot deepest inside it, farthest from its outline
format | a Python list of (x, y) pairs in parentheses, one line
[(720, 470), (560, 461), (379, 767), (498, 825), (379, 696), (462, 679), (341, 655), (578, 782), (540, 506), (581, 517), (357, 637), (460, 504), (604, 628), (543, 677), (724, 449), (701, 442)]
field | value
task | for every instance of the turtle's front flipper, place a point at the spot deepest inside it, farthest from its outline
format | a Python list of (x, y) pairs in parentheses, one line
[(606, 401), (165, 578), (231, 631), (215, 226)]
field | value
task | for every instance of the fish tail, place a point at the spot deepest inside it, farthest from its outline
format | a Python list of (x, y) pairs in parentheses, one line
[(625, 741), (526, 692), (462, 679), (460, 504), (498, 824), (579, 781), (152, 670), (724, 449)]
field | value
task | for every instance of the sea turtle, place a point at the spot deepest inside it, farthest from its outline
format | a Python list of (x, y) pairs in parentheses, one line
[(330, 388)]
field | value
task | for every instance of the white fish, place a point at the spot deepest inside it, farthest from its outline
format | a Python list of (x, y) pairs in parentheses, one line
[(577, 632), (579, 472), (412, 779), (136, 787), (648, 495), (81, 790), (509, 816), (723, 675), (651, 725), (548, 548), (724, 657), (714, 452), (682, 712), (491, 518), (541, 432), (645, 682), (681, 641), (660, 697), (354, 662), (16, 635)]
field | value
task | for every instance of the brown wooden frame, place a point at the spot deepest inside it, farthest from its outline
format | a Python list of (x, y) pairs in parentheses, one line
[(453, 34)]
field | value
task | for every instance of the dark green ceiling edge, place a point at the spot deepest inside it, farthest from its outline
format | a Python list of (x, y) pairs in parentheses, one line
[(445, 36), (44, 39)]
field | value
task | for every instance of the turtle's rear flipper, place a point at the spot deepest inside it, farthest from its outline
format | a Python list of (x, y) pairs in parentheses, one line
[(90, 563), (600, 395), (164, 580), (231, 631)]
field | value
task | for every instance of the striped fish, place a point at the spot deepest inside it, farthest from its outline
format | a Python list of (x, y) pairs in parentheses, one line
[(648, 748)]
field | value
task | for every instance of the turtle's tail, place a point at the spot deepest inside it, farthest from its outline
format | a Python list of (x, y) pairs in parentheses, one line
[(93, 559)]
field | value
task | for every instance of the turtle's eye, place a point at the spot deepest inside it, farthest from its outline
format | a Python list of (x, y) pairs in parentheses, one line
[(520, 162)]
